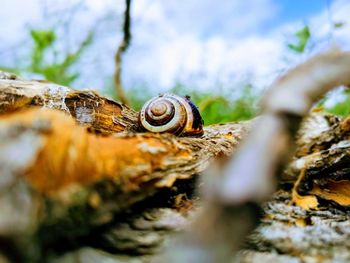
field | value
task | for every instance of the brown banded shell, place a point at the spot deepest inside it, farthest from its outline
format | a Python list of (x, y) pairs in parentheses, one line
[(173, 114)]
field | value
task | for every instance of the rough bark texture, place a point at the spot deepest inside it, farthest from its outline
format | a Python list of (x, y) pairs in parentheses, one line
[(75, 178), (87, 107), (79, 184), (234, 203)]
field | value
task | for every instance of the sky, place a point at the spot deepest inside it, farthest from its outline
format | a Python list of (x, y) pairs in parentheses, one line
[(203, 44)]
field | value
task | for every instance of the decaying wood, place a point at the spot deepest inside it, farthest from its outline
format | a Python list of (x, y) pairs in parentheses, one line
[(58, 164), (70, 154), (321, 165), (80, 184), (287, 101), (87, 107), (291, 234), (269, 145)]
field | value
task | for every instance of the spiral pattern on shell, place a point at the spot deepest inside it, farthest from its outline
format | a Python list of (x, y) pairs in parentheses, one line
[(173, 114)]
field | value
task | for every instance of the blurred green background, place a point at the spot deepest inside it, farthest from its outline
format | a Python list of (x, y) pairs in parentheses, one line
[(46, 58)]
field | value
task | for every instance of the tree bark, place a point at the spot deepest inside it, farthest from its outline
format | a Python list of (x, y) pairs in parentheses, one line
[(93, 164), (79, 183)]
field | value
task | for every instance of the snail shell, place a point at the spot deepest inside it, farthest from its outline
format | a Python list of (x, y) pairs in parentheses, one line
[(171, 113)]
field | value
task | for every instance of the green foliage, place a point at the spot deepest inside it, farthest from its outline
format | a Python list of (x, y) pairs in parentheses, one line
[(43, 39), (137, 95), (215, 107), (47, 59), (220, 107), (44, 60), (339, 24), (341, 108), (302, 38)]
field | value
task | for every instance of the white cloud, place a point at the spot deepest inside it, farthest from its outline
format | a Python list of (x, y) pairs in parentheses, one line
[(204, 18), (321, 24), (198, 40), (174, 40), (15, 16)]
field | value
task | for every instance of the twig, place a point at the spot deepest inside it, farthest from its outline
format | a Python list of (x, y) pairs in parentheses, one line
[(118, 56)]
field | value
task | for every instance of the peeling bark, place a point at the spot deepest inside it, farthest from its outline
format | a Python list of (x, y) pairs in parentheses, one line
[(72, 177), (87, 107), (270, 144), (78, 183)]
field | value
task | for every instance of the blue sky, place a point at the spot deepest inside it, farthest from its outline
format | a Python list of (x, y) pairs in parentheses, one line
[(292, 10), (201, 43)]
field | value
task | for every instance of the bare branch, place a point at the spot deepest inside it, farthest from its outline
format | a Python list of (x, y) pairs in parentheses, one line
[(118, 56)]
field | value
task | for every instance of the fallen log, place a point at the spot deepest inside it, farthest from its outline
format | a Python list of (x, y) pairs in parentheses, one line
[(72, 175), (79, 181)]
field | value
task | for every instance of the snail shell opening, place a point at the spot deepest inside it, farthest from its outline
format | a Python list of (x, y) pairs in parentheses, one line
[(171, 113)]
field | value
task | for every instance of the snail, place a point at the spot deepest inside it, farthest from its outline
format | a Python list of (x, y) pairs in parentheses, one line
[(173, 114)]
